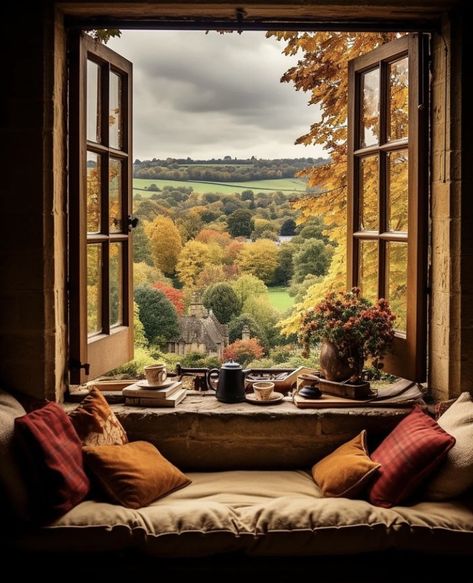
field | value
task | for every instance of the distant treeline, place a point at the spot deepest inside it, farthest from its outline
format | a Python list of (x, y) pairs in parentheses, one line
[(222, 170)]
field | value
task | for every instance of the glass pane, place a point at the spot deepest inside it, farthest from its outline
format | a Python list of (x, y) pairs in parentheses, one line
[(397, 176), (93, 192), (370, 108), (398, 108), (396, 285), (116, 288), (369, 193), (115, 114), (368, 270), (115, 195), (94, 288), (93, 102)]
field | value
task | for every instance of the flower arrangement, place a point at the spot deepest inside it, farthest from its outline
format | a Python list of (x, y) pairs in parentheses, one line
[(357, 328)]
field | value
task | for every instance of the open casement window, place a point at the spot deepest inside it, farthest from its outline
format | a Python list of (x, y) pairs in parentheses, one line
[(100, 267), (387, 210)]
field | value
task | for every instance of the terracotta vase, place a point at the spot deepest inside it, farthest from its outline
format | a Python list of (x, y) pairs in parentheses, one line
[(336, 368)]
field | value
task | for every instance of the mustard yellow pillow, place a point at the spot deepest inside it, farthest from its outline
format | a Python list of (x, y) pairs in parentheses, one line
[(347, 470), (133, 474)]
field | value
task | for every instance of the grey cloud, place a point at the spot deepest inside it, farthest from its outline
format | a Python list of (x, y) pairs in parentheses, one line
[(211, 95)]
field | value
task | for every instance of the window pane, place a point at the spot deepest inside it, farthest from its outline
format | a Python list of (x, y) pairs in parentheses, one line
[(116, 287), (369, 108), (396, 285), (93, 192), (94, 288), (369, 194), (115, 114), (398, 108), (397, 177), (115, 195), (368, 269), (93, 102)]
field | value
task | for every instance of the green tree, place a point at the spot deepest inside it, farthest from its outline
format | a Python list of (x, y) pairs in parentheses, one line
[(285, 269), (194, 258), (247, 195), (288, 228), (313, 257), (260, 259), (140, 339), (261, 227), (235, 329), (265, 315), (165, 242), (247, 286), (141, 246), (239, 223), (223, 301), (157, 314), (144, 274)]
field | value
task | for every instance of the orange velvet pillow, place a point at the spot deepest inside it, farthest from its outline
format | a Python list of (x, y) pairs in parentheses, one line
[(347, 470), (134, 474), (96, 423)]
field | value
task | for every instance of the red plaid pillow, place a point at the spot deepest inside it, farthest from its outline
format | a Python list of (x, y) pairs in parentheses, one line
[(408, 455), (51, 456)]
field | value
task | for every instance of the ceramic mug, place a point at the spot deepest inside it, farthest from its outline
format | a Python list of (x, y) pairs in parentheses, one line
[(263, 390), (156, 374)]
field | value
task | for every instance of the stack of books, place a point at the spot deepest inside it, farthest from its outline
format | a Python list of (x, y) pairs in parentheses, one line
[(169, 395)]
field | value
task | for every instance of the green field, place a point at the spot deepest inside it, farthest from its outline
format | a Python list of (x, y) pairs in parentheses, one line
[(289, 185), (280, 298)]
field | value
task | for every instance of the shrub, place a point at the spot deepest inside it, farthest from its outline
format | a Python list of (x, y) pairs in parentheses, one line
[(243, 351)]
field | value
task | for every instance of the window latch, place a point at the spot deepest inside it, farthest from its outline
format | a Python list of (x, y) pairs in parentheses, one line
[(132, 222), (76, 364)]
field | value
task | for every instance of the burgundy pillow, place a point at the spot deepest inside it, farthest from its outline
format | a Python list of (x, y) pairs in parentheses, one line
[(51, 457), (408, 455)]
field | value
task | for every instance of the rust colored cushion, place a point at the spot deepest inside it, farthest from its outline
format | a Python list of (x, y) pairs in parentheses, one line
[(96, 423), (347, 470), (134, 474), (408, 455), (51, 456)]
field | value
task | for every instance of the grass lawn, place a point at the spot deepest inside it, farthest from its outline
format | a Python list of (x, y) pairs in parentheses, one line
[(284, 184), (280, 298)]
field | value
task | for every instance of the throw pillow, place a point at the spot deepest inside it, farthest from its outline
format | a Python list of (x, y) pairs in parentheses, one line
[(347, 470), (408, 455), (96, 423), (455, 475), (51, 454), (12, 487), (134, 474)]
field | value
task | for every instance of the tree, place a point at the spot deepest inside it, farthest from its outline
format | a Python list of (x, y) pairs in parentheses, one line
[(157, 314), (247, 195), (235, 329), (247, 286), (175, 296), (239, 223), (285, 269), (313, 257), (194, 257), (223, 301), (144, 274), (141, 246), (261, 226), (213, 236), (139, 338), (165, 243), (313, 229), (288, 228), (244, 351), (265, 315), (322, 71), (260, 259), (210, 275)]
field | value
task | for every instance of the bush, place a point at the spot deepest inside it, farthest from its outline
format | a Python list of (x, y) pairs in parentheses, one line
[(235, 329), (157, 314), (134, 367), (224, 302), (243, 351), (199, 360)]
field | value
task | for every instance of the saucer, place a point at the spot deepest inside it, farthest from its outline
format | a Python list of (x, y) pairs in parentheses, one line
[(276, 398), (145, 385)]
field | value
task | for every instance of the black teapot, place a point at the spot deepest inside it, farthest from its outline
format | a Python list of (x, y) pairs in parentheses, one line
[(230, 379)]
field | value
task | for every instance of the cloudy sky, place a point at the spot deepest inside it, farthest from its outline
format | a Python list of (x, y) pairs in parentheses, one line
[(211, 95)]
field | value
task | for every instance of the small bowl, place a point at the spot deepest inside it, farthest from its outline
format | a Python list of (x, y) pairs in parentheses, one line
[(263, 390)]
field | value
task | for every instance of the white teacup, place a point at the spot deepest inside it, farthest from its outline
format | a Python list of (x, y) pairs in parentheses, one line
[(263, 390), (156, 374)]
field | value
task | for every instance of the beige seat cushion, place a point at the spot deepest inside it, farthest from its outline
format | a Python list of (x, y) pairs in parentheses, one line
[(262, 513)]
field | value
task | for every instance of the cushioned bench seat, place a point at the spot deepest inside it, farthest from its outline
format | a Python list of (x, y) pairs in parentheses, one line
[(261, 513)]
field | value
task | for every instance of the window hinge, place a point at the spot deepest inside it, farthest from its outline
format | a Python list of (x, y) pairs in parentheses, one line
[(77, 365)]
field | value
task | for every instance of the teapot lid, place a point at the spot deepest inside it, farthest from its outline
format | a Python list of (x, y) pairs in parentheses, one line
[(231, 365)]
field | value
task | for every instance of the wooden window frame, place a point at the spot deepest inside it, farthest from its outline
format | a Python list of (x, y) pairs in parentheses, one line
[(93, 355), (409, 355)]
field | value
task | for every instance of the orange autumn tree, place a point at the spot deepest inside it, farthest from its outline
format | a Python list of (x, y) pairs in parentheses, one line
[(322, 72)]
